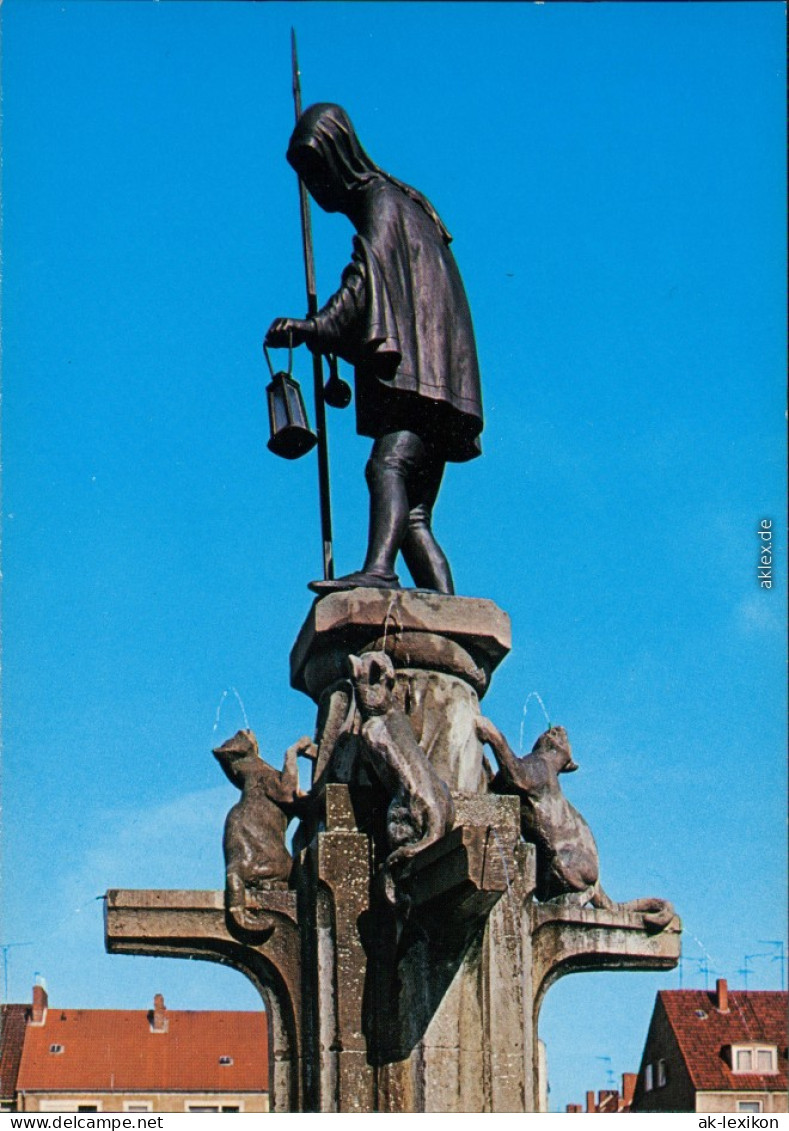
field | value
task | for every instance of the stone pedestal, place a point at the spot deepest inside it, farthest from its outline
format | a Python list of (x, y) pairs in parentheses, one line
[(429, 1005), (444, 650)]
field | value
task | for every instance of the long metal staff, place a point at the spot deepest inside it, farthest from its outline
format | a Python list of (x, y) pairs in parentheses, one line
[(317, 362)]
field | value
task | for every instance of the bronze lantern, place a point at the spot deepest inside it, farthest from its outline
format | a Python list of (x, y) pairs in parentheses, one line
[(291, 435)]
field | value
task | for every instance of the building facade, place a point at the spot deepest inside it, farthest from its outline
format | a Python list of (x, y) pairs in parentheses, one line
[(721, 1051), (119, 1060)]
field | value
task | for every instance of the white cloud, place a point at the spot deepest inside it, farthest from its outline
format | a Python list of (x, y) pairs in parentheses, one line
[(759, 613)]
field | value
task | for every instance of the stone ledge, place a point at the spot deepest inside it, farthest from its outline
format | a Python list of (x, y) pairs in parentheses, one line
[(569, 940), (147, 914), (163, 899), (545, 914), (471, 633)]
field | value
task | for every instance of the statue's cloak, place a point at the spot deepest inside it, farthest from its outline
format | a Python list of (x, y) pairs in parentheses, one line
[(401, 315)]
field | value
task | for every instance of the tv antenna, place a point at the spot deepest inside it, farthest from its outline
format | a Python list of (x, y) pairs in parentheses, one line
[(779, 957), (609, 1077), (5, 947), (705, 969)]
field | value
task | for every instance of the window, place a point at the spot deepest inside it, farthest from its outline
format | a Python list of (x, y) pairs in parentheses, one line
[(68, 1105), (214, 1107), (743, 1060), (648, 1078), (661, 1074), (225, 1060), (56, 1049), (749, 1105), (137, 1105), (765, 1060), (754, 1058)]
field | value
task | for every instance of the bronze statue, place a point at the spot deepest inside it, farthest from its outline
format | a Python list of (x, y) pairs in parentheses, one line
[(256, 856), (402, 319), (568, 864), (420, 810)]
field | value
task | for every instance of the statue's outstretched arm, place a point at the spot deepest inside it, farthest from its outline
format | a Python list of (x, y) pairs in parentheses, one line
[(331, 330)]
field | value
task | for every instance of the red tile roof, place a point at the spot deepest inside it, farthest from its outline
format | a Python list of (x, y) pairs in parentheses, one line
[(703, 1032), (115, 1050), (12, 1038)]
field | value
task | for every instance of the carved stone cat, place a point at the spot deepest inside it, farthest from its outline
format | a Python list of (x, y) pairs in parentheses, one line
[(256, 856), (567, 859), (420, 809)]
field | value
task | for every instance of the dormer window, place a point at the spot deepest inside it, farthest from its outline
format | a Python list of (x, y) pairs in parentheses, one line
[(225, 1060), (56, 1049), (761, 1060)]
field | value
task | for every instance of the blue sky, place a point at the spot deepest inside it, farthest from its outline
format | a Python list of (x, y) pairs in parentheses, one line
[(613, 176)]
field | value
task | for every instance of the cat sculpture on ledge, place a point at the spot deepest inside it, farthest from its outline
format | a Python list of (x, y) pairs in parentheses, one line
[(568, 865), (256, 856)]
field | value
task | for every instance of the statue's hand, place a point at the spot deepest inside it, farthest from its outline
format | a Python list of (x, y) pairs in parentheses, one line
[(288, 331)]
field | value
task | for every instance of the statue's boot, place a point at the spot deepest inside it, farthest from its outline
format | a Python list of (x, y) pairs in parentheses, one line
[(360, 579)]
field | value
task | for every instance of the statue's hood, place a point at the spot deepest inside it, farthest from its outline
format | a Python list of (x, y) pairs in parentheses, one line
[(325, 129)]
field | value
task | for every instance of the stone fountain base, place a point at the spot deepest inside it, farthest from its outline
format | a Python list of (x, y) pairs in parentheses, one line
[(429, 1005)]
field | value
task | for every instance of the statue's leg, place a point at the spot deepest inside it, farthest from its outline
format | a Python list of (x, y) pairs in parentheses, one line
[(424, 557), (394, 460)]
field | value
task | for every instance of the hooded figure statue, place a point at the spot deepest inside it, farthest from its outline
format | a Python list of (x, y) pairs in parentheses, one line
[(401, 318)]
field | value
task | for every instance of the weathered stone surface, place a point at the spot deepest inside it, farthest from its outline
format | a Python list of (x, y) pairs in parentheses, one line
[(434, 1014), (443, 711), (361, 619), (337, 878), (429, 1003), (567, 940)]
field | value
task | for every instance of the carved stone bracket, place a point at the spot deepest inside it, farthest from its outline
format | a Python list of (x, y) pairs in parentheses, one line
[(568, 939), (193, 924)]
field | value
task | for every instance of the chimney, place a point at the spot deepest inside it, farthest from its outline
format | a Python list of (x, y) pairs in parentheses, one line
[(628, 1087), (573, 1108), (722, 996), (40, 1005), (590, 1104), (157, 1016), (608, 1100)]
